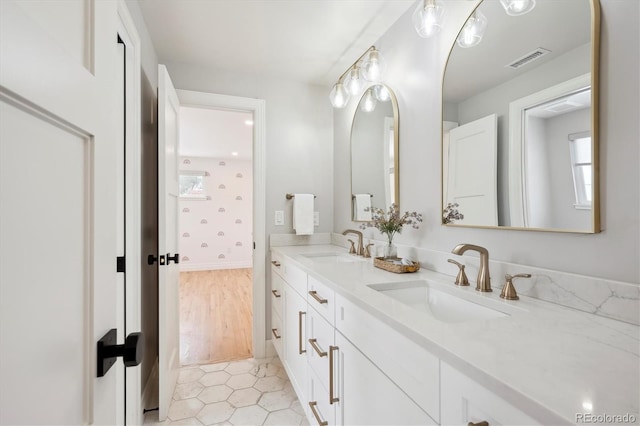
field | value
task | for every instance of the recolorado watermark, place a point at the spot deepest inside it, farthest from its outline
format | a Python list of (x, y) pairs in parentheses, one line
[(605, 418)]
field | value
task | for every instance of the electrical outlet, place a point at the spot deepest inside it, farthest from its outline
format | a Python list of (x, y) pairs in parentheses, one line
[(279, 217), (316, 218)]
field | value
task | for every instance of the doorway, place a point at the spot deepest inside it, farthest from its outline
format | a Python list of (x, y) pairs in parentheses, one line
[(215, 234)]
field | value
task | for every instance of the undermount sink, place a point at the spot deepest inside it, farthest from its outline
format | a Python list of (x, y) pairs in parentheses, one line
[(441, 305), (331, 257)]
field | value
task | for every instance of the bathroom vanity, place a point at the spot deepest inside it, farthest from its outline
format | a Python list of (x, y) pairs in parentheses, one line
[(366, 346)]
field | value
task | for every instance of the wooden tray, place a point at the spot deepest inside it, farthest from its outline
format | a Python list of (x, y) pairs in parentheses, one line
[(379, 262)]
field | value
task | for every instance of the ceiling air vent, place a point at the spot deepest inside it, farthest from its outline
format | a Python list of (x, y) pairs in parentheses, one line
[(529, 57)]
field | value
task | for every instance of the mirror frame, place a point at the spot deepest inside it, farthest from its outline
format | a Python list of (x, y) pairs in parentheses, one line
[(396, 146), (595, 132)]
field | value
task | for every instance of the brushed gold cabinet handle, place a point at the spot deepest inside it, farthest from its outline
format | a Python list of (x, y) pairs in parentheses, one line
[(275, 293), (483, 423), (275, 333), (315, 295), (314, 345), (301, 350), (275, 263), (332, 398), (313, 404)]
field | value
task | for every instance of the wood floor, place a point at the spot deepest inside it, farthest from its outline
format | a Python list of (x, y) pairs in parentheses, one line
[(215, 316)]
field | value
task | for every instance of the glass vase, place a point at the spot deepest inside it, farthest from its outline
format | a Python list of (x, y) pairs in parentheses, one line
[(390, 251)]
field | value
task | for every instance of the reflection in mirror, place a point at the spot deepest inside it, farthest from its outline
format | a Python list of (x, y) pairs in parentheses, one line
[(520, 144), (374, 152)]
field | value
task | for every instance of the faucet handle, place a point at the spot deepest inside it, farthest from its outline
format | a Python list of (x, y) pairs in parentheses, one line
[(352, 250), (509, 291), (367, 252), (461, 278)]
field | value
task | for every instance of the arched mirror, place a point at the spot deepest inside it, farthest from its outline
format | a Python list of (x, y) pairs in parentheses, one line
[(520, 117), (374, 152)]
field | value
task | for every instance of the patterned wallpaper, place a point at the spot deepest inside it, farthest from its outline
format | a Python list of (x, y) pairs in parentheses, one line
[(216, 233)]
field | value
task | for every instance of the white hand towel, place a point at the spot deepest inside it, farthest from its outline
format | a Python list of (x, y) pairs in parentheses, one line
[(360, 203), (303, 214)]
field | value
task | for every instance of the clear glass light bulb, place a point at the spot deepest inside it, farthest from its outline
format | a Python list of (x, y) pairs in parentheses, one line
[(473, 30), (353, 82), (427, 18), (374, 67), (518, 7), (339, 96), (368, 103)]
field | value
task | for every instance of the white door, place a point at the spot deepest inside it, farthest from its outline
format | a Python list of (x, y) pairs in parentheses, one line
[(168, 272), (473, 173), (58, 124)]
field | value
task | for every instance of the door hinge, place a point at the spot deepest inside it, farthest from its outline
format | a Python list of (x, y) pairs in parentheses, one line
[(254, 245), (120, 264)]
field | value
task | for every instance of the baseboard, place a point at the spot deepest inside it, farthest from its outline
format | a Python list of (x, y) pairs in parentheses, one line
[(190, 267), (150, 391)]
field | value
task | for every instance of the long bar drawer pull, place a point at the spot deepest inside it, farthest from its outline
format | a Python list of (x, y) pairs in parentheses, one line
[(483, 423), (275, 293), (275, 263), (314, 345), (313, 404), (332, 398), (275, 333), (319, 299), (301, 350)]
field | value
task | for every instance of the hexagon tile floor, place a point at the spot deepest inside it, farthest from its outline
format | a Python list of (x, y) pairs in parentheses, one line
[(249, 392)]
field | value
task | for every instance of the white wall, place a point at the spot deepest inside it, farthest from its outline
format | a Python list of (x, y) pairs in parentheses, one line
[(298, 144), (414, 71), (216, 233)]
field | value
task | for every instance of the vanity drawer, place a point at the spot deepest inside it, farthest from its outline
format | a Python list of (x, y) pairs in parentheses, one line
[(317, 407), (320, 335), (414, 369), (465, 400), (277, 287), (276, 332), (322, 298), (276, 264), (296, 278)]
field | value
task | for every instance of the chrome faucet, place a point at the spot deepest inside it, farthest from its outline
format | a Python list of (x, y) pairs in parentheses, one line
[(484, 278), (360, 251)]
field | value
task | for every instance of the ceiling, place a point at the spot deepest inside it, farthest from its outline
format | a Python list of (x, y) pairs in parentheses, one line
[(312, 41), (215, 133)]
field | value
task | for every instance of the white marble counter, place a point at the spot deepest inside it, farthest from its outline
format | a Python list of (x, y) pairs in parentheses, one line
[(548, 360)]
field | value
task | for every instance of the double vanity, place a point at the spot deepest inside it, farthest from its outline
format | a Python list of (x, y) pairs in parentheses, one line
[(365, 346)]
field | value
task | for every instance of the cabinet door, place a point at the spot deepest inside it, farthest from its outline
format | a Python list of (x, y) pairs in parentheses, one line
[(367, 396), (464, 400), (295, 359)]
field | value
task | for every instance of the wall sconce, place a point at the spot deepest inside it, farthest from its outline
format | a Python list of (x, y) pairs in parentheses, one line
[(473, 30), (518, 7), (427, 18), (351, 82)]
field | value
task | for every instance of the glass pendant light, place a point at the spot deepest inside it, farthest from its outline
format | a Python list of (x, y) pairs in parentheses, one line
[(375, 65), (518, 7), (339, 96), (427, 18), (353, 82), (368, 102), (473, 30), (381, 92)]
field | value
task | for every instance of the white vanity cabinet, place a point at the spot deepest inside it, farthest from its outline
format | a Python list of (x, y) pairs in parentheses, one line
[(465, 401), (277, 289)]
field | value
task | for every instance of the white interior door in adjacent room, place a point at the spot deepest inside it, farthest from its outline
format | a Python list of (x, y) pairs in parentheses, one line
[(168, 272), (58, 125), (473, 172)]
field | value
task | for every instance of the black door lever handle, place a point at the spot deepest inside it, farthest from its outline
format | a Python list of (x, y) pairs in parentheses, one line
[(175, 258), (131, 351)]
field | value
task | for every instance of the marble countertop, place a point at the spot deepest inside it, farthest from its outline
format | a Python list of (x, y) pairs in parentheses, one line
[(550, 361)]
